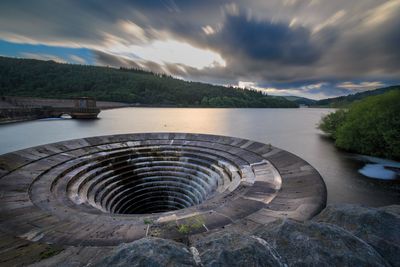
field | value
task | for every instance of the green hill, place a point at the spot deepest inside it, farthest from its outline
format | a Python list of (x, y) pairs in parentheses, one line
[(370, 126), (345, 101), (36, 78)]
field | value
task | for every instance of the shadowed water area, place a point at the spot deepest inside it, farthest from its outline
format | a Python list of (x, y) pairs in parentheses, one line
[(291, 129)]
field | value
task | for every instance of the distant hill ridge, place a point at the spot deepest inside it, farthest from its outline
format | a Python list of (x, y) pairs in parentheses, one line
[(301, 100), (37, 78), (341, 101)]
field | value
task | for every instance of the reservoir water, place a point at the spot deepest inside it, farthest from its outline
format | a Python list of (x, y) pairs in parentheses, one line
[(291, 129)]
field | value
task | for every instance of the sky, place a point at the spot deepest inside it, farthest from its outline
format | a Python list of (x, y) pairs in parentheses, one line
[(310, 48)]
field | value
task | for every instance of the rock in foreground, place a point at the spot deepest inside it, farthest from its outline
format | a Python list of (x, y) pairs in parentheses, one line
[(318, 244), (233, 249), (155, 252), (343, 235), (378, 227)]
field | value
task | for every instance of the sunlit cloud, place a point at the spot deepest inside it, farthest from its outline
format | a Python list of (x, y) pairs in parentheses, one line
[(330, 21), (77, 59), (293, 22), (231, 9), (315, 91), (133, 30), (43, 57), (363, 86), (313, 86), (279, 91), (208, 30), (297, 92), (169, 51), (250, 85), (382, 13), (268, 90)]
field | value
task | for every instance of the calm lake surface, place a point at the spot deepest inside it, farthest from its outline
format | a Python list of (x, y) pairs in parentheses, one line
[(291, 129)]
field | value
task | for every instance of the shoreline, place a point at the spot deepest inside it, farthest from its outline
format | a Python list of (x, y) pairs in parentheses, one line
[(28, 117), (33, 117), (20, 109)]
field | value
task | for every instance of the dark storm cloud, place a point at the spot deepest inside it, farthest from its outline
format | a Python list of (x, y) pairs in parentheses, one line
[(267, 41), (280, 44)]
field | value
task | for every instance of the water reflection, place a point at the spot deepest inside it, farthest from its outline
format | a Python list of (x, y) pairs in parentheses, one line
[(290, 129)]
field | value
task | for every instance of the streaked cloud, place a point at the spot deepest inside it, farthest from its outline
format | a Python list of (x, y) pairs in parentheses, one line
[(382, 13), (168, 51), (363, 86), (208, 30), (77, 59), (42, 57), (330, 21), (305, 47)]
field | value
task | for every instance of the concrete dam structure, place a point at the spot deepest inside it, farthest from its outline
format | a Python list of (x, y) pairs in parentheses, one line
[(13, 109), (88, 195)]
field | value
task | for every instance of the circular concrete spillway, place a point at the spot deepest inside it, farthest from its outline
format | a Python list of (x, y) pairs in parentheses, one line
[(102, 191), (152, 178)]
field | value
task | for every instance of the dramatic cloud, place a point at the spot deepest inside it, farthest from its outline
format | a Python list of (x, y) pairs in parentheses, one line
[(314, 48), (43, 57), (360, 86)]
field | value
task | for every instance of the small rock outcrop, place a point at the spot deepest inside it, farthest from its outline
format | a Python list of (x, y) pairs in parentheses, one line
[(155, 252), (318, 244), (234, 249), (379, 227)]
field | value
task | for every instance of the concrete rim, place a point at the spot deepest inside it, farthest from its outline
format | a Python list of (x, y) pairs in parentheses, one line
[(40, 200)]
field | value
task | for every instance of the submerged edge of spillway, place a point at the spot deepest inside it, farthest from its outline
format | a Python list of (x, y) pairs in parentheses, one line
[(106, 190)]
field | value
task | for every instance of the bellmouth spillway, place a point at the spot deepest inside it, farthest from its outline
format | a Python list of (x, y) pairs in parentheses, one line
[(106, 190)]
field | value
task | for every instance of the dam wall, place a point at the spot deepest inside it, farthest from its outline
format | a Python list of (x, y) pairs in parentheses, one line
[(15, 109), (8, 115)]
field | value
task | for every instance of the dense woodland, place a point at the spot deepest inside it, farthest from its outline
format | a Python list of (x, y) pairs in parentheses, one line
[(370, 126), (36, 78)]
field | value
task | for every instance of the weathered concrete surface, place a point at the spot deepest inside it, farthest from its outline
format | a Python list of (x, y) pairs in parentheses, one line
[(20, 252), (92, 192), (379, 227)]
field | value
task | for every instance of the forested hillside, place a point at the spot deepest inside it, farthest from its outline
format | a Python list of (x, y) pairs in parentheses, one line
[(344, 101), (36, 78)]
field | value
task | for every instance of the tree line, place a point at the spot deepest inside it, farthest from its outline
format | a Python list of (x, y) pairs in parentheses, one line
[(36, 78), (370, 126)]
